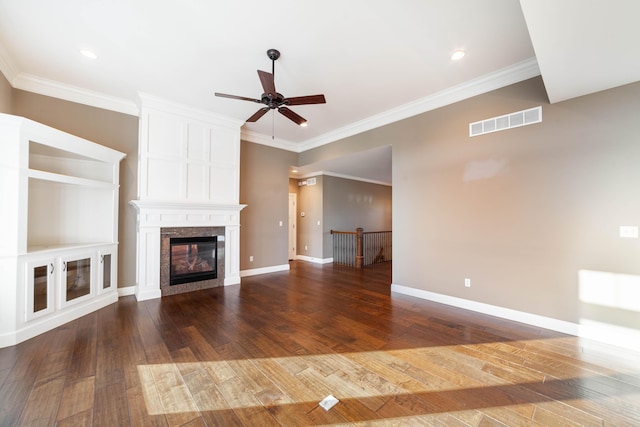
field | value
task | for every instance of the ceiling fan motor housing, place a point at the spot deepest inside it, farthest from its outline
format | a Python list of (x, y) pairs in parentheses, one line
[(271, 102), (273, 54)]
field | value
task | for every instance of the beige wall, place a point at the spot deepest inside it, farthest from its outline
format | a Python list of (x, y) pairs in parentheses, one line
[(264, 181), (349, 204), (520, 212), (309, 236), (293, 185), (114, 130), (5, 95)]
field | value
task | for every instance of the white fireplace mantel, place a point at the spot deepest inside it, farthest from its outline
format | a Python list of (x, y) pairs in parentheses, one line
[(154, 215)]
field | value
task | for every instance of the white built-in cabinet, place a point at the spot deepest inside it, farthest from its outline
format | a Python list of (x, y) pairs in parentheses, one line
[(59, 224)]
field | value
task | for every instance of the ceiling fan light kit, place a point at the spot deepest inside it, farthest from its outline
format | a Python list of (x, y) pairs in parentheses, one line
[(274, 100)]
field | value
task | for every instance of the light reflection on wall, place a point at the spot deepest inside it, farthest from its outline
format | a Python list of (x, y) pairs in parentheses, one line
[(611, 302), (610, 289)]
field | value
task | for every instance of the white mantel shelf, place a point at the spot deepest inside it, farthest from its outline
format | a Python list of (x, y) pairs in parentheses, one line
[(176, 214), (154, 215)]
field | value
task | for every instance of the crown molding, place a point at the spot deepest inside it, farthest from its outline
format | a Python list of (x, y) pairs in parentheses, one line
[(71, 93), (260, 138), (513, 74), (339, 175)]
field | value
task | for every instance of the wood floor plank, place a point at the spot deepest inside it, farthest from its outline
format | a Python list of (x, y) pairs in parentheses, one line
[(142, 413), (77, 397), (83, 357), (42, 405), (111, 407)]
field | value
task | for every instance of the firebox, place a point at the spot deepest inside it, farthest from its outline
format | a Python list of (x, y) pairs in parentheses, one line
[(193, 259)]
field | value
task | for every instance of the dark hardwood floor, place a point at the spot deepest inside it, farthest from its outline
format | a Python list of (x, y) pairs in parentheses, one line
[(266, 352)]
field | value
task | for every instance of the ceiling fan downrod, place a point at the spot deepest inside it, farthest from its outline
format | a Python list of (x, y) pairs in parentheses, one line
[(273, 55)]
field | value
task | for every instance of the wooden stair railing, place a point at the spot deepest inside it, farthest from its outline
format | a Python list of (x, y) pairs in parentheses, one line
[(360, 248)]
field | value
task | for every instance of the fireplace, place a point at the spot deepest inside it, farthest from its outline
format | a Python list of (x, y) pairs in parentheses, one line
[(192, 259)]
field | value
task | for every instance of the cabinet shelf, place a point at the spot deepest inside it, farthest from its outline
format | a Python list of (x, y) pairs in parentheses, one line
[(66, 179), (43, 249)]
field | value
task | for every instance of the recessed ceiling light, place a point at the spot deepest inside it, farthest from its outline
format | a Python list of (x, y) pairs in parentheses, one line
[(88, 53), (303, 124), (456, 55)]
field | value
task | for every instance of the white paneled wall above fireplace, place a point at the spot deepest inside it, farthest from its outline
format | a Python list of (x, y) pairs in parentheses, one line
[(187, 155)]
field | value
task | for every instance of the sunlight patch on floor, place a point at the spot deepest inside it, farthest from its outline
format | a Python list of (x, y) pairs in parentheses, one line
[(245, 383)]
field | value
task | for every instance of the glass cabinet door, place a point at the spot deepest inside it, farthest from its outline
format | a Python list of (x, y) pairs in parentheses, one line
[(76, 278), (39, 278), (106, 271)]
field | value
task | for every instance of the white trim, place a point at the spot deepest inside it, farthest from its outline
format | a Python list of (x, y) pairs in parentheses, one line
[(260, 138), (339, 175), (513, 74), (609, 334), (314, 260), (126, 291), (145, 294), (264, 270), (67, 92)]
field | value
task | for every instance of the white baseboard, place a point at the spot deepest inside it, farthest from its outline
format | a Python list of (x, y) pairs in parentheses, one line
[(263, 270), (608, 334), (232, 280), (314, 260), (126, 291)]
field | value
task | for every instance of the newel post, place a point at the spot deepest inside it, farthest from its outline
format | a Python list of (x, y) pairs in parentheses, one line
[(359, 248)]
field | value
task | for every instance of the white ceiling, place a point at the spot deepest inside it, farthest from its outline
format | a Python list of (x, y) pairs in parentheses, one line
[(376, 61)]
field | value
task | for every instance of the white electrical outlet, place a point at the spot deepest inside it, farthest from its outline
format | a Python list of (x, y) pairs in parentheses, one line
[(467, 282), (251, 258), (306, 248), (629, 231)]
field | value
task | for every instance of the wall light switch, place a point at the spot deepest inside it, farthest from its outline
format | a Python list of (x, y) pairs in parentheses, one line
[(629, 231), (280, 223), (318, 222)]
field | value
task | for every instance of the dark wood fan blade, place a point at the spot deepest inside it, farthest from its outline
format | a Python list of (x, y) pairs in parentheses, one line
[(241, 98), (304, 100), (268, 84), (261, 112), (292, 116)]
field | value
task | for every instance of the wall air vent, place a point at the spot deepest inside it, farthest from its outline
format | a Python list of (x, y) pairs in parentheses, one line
[(508, 121)]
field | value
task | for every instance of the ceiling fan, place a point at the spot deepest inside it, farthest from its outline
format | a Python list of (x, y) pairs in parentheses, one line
[(274, 100)]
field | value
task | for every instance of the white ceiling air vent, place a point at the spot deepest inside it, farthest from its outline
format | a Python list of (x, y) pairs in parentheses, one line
[(508, 121)]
